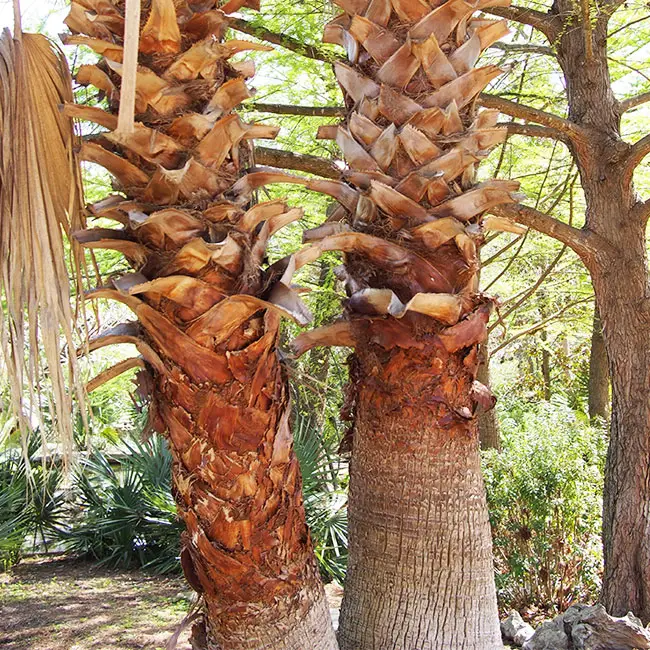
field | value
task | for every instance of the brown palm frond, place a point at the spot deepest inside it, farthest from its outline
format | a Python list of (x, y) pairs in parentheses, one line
[(40, 202)]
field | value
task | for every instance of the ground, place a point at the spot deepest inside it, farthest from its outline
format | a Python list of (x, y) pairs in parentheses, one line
[(65, 604)]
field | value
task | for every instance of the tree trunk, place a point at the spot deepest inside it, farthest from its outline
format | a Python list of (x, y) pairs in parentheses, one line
[(617, 261), (238, 488), (420, 573), (620, 292), (488, 420), (208, 317), (599, 399)]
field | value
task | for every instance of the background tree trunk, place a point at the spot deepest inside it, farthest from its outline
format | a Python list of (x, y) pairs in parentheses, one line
[(488, 420), (599, 397), (626, 508), (420, 574), (612, 244)]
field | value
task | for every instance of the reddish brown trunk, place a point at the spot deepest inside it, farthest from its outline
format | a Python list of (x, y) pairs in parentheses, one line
[(238, 487), (420, 573), (208, 316)]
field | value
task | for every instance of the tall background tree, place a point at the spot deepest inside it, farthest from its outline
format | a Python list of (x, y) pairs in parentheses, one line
[(612, 245)]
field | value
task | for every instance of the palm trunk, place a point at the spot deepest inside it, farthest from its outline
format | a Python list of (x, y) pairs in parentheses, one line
[(208, 316), (420, 573), (410, 222)]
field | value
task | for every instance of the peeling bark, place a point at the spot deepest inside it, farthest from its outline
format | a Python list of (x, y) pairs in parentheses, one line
[(209, 321)]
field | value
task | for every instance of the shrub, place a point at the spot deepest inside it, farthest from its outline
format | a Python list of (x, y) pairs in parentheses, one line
[(32, 503), (127, 516), (545, 500)]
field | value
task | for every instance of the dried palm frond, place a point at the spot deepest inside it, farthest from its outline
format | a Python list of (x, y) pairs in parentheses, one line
[(40, 201)]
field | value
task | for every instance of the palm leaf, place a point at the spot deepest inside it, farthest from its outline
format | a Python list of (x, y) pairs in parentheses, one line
[(40, 201)]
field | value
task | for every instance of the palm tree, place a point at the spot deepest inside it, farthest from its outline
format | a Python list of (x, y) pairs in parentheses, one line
[(207, 315), (420, 573)]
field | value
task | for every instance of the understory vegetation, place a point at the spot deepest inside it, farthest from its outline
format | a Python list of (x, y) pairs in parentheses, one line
[(544, 492)]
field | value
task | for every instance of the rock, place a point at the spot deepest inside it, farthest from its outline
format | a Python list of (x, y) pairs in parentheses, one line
[(515, 629), (524, 634), (595, 629), (548, 636)]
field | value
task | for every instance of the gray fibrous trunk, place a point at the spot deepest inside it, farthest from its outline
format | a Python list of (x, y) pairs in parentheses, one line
[(410, 223)]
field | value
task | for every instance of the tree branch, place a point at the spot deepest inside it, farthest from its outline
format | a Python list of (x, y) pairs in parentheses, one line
[(540, 20), (632, 102), (311, 51), (635, 154), (530, 114), (527, 48), (307, 111), (300, 162), (534, 131), (641, 211), (542, 323), (585, 243)]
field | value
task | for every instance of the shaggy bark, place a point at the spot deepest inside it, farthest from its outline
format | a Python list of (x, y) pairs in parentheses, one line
[(208, 317)]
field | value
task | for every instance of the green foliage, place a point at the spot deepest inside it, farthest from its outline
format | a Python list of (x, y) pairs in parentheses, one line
[(544, 495), (32, 503), (325, 495), (128, 516)]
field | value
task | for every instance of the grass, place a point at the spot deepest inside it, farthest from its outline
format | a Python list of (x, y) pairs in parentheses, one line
[(65, 604)]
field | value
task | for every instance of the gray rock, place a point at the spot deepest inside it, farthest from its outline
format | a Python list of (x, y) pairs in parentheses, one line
[(525, 634), (595, 629), (548, 636), (515, 629)]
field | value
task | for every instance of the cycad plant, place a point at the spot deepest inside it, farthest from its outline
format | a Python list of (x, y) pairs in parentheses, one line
[(411, 220), (208, 315)]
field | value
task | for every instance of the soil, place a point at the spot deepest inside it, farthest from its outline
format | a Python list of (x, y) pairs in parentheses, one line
[(63, 603), (67, 604)]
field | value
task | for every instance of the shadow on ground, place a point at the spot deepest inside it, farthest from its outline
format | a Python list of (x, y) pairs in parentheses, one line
[(66, 604)]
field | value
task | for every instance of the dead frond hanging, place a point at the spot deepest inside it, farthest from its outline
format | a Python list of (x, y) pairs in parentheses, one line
[(40, 201)]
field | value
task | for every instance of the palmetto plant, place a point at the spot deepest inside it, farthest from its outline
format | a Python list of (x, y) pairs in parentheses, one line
[(127, 515), (33, 505), (410, 224), (208, 314), (325, 477)]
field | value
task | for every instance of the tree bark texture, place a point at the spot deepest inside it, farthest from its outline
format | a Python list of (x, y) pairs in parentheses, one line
[(420, 573), (207, 315), (599, 396), (619, 270), (410, 224), (488, 420)]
